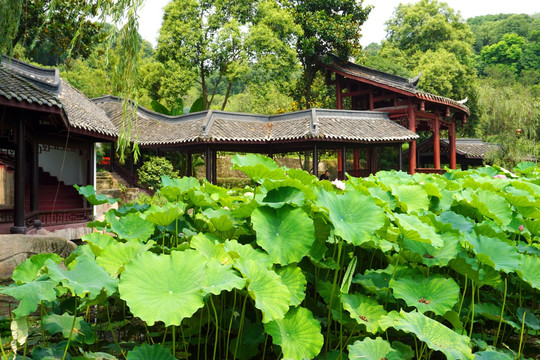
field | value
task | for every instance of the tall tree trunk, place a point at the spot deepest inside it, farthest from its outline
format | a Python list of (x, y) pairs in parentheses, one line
[(227, 95)]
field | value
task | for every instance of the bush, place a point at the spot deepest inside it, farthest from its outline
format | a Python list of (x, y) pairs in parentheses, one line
[(151, 171)]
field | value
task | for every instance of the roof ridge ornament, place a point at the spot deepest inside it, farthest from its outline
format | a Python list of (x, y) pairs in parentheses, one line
[(414, 81), (208, 123), (463, 101), (314, 122)]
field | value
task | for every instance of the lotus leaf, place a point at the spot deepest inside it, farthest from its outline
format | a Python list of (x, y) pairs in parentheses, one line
[(411, 198), (247, 252), (252, 160), (414, 229), (30, 295), (293, 278), (298, 334), (493, 206), (220, 219), (260, 171), (99, 356), (494, 252), (302, 176), (434, 293), (150, 352), (351, 224), (432, 256), (115, 257), (221, 277), (472, 267), (206, 245), (271, 296), (174, 189), (531, 321), (163, 215), (520, 198), (82, 332), (530, 270), (436, 336), (98, 241), (276, 198), (285, 233), (131, 208), (164, 288), (30, 269), (493, 312), (86, 278), (456, 221), (130, 227), (89, 193), (385, 196), (364, 310), (492, 355), (372, 349)]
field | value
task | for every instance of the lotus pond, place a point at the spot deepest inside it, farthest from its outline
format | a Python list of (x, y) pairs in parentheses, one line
[(387, 267)]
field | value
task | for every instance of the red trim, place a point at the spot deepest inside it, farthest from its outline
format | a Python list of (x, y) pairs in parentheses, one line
[(30, 106)]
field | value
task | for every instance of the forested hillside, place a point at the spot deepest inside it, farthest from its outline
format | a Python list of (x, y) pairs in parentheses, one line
[(261, 57)]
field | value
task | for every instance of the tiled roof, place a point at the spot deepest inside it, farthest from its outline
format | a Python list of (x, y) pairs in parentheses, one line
[(359, 72), (34, 85), (472, 148), (213, 125)]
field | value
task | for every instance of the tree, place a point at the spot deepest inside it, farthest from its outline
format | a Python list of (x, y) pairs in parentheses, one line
[(507, 53), (221, 41), (51, 30), (329, 28)]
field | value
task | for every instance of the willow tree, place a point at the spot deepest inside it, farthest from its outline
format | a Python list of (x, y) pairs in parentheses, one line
[(123, 13)]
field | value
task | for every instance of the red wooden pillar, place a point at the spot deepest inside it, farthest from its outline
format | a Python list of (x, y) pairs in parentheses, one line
[(412, 144), (436, 143), (339, 164), (452, 141), (339, 93), (371, 105), (356, 161)]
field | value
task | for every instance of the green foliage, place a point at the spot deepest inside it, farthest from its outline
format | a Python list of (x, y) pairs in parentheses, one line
[(296, 267), (153, 169)]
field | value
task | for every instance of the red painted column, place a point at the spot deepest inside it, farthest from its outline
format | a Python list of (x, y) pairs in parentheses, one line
[(339, 93), (436, 142), (412, 144), (452, 141), (371, 105), (339, 164), (356, 161)]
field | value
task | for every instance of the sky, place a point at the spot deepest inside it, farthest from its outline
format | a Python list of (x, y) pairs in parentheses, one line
[(373, 29)]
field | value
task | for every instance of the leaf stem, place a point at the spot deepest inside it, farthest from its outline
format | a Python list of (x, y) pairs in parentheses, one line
[(217, 327), (241, 328), (521, 334), (502, 313), (230, 326), (334, 283), (72, 327)]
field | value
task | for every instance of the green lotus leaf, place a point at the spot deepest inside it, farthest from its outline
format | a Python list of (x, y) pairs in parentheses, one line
[(293, 278), (411, 198), (520, 198), (377, 280), (115, 257), (89, 193), (98, 241), (473, 268), (456, 221), (302, 176), (98, 356), (164, 288), (149, 352), (206, 245), (30, 295), (405, 351), (276, 198), (285, 233), (364, 310), (529, 270), (30, 269), (528, 186), (434, 293), (385, 196), (130, 227), (493, 312), (493, 206), (257, 167), (131, 208), (163, 215), (372, 349), (82, 332), (298, 334), (53, 351), (436, 336), (432, 256), (221, 277), (533, 226), (174, 189), (492, 355), (414, 229), (271, 296), (247, 252), (494, 252), (353, 226), (220, 219), (86, 278), (531, 321)]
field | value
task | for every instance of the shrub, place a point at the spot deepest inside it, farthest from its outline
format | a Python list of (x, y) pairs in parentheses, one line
[(151, 171)]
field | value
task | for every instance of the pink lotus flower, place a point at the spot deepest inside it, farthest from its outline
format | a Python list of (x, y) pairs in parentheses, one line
[(521, 227), (500, 176), (339, 184)]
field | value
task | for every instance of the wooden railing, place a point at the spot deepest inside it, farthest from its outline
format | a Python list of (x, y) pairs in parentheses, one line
[(430, 171)]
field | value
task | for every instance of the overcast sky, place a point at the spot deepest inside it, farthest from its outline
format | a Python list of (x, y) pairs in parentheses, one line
[(373, 29)]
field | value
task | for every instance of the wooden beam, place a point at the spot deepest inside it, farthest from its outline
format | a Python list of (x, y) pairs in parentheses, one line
[(339, 94), (357, 92), (452, 141), (412, 144), (436, 144)]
